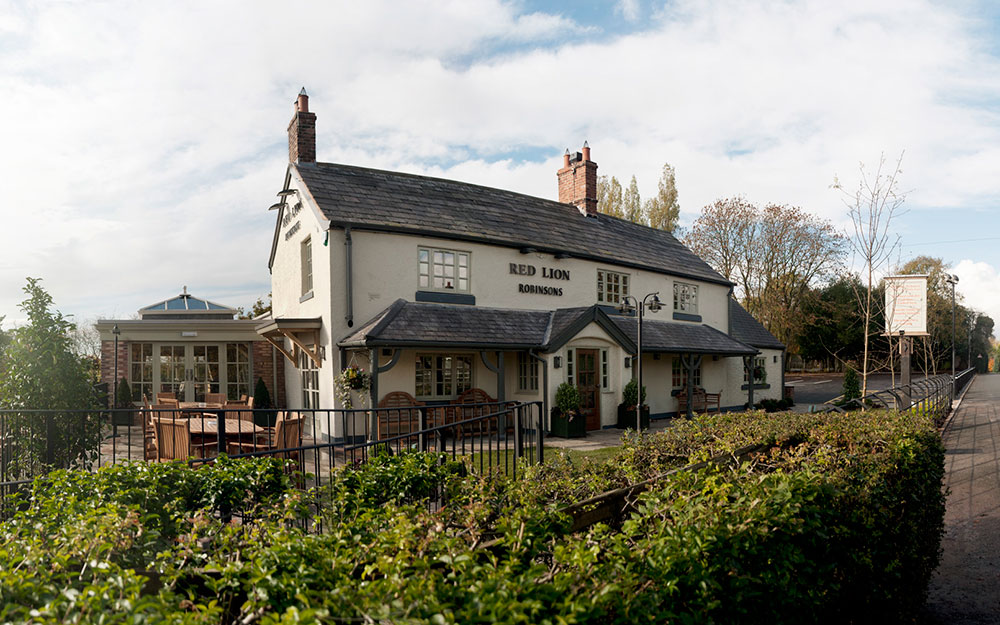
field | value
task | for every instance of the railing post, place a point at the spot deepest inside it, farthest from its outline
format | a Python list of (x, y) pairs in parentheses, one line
[(220, 424), (421, 426), (541, 435), (518, 433)]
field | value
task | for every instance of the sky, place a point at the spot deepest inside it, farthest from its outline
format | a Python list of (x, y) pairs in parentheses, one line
[(141, 143)]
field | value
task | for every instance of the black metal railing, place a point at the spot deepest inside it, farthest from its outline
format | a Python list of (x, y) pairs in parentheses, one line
[(487, 437), (931, 395)]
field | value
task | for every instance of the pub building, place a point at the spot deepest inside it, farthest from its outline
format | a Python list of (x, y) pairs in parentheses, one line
[(437, 286)]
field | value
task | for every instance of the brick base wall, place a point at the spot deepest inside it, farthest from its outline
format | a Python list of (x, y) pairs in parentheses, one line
[(108, 362), (267, 364)]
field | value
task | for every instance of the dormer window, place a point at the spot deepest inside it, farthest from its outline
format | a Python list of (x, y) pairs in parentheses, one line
[(443, 270)]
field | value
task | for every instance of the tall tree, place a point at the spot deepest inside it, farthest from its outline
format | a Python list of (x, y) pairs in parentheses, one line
[(872, 206), (632, 203), (774, 255), (662, 210), (832, 326), (258, 308), (609, 196)]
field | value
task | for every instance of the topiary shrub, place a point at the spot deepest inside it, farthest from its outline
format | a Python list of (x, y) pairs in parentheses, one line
[(630, 394), (852, 384), (263, 415)]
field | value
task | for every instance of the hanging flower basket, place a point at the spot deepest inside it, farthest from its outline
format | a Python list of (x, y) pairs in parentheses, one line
[(349, 381)]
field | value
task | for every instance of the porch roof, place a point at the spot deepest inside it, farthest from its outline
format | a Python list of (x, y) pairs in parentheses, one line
[(422, 324), (682, 338)]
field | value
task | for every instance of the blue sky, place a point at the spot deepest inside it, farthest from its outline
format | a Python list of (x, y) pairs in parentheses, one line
[(143, 142)]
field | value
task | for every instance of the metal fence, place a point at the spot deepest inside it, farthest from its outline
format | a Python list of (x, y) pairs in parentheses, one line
[(487, 437), (930, 395)]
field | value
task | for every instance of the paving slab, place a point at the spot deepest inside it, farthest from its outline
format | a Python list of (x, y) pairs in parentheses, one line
[(965, 588)]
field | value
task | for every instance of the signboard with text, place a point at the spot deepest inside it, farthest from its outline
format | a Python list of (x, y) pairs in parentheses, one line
[(906, 305)]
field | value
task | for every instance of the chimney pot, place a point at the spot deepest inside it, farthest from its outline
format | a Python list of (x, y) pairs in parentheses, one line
[(586, 151), (302, 102), (566, 159)]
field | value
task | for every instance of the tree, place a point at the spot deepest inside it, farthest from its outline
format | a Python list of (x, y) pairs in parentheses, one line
[(632, 203), (609, 197), (773, 254), (872, 208), (831, 325), (41, 370), (259, 308), (662, 210)]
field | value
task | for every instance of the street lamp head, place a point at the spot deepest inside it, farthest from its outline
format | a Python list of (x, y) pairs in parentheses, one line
[(625, 308), (656, 305), (115, 330)]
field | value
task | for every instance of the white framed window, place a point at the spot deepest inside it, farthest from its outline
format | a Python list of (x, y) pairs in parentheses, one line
[(443, 270), (678, 376), (605, 377), (611, 286), (569, 367), (238, 370), (310, 381), (442, 376), (686, 298), (307, 266), (141, 368), (759, 372), (527, 373)]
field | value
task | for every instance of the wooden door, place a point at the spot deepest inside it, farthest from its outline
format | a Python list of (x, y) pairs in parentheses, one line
[(589, 385)]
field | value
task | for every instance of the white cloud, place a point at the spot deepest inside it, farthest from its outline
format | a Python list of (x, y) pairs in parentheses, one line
[(979, 283), (144, 142), (629, 9)]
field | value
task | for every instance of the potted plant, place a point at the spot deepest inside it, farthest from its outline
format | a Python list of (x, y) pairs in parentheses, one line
[(566, 419), (124, 408), (630, 402)]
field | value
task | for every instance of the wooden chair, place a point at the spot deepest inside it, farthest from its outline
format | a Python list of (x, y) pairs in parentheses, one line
[(173, 404), (148, 435), (237, 410), (173, 440), (398, 414), (165, 395), (215, 398), (286, 434)]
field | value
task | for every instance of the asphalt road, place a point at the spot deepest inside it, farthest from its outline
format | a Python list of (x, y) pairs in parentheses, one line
[(817, 388)]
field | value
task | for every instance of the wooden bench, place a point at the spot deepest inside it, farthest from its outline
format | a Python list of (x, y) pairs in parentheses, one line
[(701, 401), (398, 414)]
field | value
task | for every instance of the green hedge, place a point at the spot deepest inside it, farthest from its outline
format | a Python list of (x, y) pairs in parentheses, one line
[(840, 522)]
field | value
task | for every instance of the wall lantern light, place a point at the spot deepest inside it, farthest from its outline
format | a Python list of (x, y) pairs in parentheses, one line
[(556, 362)]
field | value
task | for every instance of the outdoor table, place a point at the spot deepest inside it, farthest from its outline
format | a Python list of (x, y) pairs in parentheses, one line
[(207, 424)]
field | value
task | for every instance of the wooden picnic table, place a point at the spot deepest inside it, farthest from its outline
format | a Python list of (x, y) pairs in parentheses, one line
[(207, 424)]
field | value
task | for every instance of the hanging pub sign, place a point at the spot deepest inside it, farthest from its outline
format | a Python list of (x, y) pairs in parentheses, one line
[(906, 305)]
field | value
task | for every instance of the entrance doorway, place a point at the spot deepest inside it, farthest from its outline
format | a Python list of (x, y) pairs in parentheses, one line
[(189, 371), (587, 382)]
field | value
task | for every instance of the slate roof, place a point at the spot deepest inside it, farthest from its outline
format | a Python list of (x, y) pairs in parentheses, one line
[(743, 327), (423, 324), (682, 338), (383, 200), (428, 325)]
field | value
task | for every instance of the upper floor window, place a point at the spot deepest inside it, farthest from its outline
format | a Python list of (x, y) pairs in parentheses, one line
[(445, 270), (611, 286), (307, 266), (686, 298)]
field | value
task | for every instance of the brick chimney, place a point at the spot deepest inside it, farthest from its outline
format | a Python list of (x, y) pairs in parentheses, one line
[(578, 181), (302, 132)]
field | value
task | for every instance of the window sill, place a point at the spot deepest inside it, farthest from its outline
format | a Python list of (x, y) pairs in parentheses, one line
[(680, 316), (756, 387), (308, 296), (449, 297)]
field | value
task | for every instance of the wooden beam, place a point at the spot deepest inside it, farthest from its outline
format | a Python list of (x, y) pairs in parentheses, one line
[(281, 348), (298, 343)]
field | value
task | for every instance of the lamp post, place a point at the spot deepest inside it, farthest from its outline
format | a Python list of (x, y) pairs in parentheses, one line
[(625, 308), (114, 396), (952, 280)]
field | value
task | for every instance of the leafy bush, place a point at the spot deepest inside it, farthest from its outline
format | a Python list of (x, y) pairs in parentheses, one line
[(774, 405), (630, 394), (124, 394), (852, 384), (567, 398), (839, 522)]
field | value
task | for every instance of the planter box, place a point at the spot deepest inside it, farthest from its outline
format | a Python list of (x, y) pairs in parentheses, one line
[(626, 417), (564, 428)]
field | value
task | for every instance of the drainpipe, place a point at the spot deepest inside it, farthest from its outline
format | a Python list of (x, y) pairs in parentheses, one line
[(349, 287)]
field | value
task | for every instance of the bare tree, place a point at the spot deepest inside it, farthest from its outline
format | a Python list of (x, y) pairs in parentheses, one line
[(723, 236), (872, 206)]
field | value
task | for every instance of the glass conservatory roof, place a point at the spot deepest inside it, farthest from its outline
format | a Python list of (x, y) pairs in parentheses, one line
[(187, 303)]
